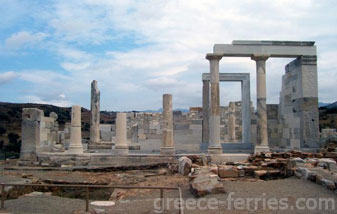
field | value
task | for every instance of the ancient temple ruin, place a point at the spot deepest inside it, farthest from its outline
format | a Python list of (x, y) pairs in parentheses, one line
[(213, 130), (298, 115)]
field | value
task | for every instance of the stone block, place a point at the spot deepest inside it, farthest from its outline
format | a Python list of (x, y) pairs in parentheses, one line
[(185, 165), (228, 171), (206, 183)]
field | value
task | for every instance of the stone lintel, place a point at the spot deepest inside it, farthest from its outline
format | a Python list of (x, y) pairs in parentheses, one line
[(229, 50), (274, 43), (229, 77)]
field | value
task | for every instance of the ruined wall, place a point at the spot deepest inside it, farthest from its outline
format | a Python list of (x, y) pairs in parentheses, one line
[(231, 122), (274, 135), (298, 112), (39, 133)]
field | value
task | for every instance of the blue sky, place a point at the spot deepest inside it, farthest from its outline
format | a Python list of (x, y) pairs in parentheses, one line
[(50, 51)]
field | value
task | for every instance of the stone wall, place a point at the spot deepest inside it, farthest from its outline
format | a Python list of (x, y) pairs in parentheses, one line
[(273, 125), (298, 111), (39, 133)]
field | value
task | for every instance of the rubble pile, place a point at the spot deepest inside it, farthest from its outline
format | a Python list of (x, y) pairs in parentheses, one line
[(206, 179)]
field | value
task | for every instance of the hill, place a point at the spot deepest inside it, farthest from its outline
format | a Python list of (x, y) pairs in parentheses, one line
[(328, 116)]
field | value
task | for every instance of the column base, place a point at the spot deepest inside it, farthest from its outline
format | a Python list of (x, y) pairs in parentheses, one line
[(204, 146), (259, 149), (75, 149), (215, 150), (121, 150), (167, 151)]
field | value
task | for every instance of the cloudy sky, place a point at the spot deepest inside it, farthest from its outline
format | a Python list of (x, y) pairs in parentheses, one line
[(50, 51)]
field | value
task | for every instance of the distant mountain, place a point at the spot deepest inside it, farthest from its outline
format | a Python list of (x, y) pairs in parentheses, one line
[(182, 110), (320, 104), (331, 106), (161, 110)]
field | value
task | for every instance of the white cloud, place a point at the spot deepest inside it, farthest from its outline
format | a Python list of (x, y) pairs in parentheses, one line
[(7, 77), (24, 39), (57, 102), (172, 38)]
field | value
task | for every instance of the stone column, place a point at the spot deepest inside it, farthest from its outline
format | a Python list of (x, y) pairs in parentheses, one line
[(262, 132), (95, 113), (121, 146), (214, 119), (76, 134), (246, 111), (168, 141), (205, 115), (231, 121), (30, 133)]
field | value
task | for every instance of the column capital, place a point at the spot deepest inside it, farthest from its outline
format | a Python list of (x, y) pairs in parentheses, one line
[(211, 56), (260, 57)]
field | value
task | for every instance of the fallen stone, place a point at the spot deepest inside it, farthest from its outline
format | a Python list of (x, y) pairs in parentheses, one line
[(195, 165), (184, 165), (295, 162), (327, 163), (260, 173), (103, 203), (45, 164), (162, 171), (214, 169), (117, 194), (228, 171), (327, 184), (173, 168), (268, 154), (200, 160), (250, 169), (241, 173), (206, 183), (330, 155)]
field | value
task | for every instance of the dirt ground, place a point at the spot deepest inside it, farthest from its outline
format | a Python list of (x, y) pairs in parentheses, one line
[(289, 195)]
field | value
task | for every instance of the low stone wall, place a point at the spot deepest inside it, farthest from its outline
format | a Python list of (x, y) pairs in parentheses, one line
[(101, 159)]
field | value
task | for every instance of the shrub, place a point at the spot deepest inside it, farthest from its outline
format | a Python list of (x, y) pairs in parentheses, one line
[(2, 131), (13, 145)]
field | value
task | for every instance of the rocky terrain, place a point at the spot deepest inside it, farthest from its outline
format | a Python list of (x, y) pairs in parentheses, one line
[(268, 175)]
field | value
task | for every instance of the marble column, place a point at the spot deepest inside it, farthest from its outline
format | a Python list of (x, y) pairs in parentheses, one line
[(75, 134), (205, 115), (246, 111), (95, 113), (231, 122), (168, 141), (121, 146), (262, 132), (214, 119)]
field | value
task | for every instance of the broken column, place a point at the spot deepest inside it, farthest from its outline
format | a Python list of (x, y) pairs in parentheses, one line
[(262, 132), (214, 119), (121, 146), (95, 113), (168, 141), (205, 115), (231, 122), (76, 134), (31, 119)]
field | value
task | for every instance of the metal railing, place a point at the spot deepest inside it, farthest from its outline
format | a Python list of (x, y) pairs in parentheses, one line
[(88, 187)]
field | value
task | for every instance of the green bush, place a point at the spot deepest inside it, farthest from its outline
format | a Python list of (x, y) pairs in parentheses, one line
[(4, 117), (13, 145), (2, 131)]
